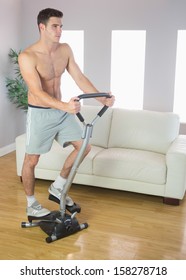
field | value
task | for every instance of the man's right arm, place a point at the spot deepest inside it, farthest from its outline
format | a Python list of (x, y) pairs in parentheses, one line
[(31, 77)]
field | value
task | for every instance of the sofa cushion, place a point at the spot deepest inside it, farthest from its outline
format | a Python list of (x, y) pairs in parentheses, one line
[(144, 130), (101, 129), (130, 164)]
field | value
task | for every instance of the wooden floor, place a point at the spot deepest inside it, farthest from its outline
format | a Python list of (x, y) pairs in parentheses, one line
[(122, 225)]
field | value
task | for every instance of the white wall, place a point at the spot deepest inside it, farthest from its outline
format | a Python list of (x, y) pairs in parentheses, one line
[(160, 18), (11, 119)]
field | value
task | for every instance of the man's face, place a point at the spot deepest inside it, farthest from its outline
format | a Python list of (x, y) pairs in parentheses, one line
[(53, 29)]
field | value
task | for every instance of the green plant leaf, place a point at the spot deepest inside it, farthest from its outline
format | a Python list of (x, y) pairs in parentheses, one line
[(16, 87)]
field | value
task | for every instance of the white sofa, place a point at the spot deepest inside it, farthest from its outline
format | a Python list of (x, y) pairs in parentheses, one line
[(132, 150)]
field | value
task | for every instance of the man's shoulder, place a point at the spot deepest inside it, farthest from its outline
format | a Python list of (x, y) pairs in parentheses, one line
[(27, 54), (66, 50), (64, 46), (29, 51)]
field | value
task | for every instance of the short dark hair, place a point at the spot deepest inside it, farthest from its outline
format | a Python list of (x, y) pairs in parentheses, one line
[(44, 15)]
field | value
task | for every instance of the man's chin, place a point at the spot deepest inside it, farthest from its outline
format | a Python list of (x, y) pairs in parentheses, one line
[(57, 39)]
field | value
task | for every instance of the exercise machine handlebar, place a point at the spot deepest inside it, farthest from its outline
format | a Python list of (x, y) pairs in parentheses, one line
[(93, 95)]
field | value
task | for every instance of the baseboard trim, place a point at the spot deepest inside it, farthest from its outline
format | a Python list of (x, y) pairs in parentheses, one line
[(7, 149)]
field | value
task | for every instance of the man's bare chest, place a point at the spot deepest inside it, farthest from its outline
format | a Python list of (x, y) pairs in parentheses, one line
[(51, 67)]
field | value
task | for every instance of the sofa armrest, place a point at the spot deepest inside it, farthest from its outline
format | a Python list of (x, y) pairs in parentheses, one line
[(176, 168)]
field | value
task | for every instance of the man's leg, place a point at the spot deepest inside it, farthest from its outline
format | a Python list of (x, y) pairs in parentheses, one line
[(56, 188), (71, 158), (33, 207), (28, 178)]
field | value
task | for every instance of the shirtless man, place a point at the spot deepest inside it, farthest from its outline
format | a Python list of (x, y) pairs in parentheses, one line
[(42, 65)]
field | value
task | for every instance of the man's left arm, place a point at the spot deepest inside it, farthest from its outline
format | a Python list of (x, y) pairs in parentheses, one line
[(83, 82)]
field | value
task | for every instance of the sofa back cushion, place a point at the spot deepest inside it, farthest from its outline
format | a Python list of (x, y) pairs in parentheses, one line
[(101, 129), (143, 130)]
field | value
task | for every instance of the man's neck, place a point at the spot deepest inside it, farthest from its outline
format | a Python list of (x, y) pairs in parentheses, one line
[(47, 47)]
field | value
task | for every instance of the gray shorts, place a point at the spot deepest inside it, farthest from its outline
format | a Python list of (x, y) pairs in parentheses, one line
[(45, 125)]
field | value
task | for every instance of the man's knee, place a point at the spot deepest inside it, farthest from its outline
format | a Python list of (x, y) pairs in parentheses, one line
[(88, 149), (31, 160), (77, 147)]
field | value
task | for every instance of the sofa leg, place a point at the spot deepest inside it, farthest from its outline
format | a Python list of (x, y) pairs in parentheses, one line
[(20, 177), (171, 201)]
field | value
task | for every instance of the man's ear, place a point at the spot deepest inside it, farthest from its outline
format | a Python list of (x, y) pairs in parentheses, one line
[(41, 27)]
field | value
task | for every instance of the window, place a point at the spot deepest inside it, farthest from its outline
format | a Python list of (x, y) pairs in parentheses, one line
[(127, 68), (180, 81), (75, 38)]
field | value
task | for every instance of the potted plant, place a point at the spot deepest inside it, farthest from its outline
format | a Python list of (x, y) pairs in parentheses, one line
[(17, 89)]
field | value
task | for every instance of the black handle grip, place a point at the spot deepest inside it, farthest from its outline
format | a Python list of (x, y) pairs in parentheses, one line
[(80, 117), (93, 95), (102, 111)]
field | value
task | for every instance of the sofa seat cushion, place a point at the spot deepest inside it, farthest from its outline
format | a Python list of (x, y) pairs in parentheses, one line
[(55, 159), (131, 164)]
